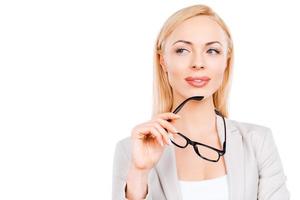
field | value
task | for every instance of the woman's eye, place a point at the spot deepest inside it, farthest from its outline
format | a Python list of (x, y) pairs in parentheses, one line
[(180, 50), (213, 51)]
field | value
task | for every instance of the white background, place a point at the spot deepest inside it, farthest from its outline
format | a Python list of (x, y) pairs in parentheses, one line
[(76, 76)]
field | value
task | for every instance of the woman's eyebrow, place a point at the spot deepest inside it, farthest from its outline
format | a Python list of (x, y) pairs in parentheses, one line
[(190, 43)]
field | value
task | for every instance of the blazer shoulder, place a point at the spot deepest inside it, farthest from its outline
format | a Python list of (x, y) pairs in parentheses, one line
[(248, 129), (254, 134), (123, 145), (125, 142)]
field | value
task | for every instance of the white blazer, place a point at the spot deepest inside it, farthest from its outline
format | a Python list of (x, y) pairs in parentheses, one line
[(253, 164)]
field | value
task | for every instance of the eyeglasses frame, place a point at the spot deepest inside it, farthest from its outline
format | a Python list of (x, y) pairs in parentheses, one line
[(194, 143)]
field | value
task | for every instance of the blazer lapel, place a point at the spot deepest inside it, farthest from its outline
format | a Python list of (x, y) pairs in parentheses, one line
[(167, 173), (234, 161)]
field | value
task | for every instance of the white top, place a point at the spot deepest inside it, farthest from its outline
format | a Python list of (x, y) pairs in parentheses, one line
[(210, 189)]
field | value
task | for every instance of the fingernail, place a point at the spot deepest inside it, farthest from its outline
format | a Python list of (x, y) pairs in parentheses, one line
[(169, 142), (171, 136), (161, 143)]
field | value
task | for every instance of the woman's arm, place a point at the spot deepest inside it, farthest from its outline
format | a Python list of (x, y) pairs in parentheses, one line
[(136, 187), (272, 179), (122, 174)]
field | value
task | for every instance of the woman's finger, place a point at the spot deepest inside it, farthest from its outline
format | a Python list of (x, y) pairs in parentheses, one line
[(167, 125), (158, 136), (168, 115), (163, 132)]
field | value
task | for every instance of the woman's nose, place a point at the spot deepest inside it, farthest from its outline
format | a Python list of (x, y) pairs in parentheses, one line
[(198, 62), (197, 66)]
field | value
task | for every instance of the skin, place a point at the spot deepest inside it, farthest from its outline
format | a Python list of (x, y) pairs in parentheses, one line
[(200, 58)]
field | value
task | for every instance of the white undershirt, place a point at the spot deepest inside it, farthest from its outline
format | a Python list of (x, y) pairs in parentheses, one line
[(210, 189)]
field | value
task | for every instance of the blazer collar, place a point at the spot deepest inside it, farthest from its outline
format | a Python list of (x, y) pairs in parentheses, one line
[(234, 161)]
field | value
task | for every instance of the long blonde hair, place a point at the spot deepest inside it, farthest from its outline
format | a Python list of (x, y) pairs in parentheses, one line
[(162, 91)]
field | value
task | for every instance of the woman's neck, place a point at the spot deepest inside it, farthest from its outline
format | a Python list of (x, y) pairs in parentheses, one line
[(198, 118)]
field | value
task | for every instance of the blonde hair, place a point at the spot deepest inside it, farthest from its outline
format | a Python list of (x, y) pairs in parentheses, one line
[(162, 91)]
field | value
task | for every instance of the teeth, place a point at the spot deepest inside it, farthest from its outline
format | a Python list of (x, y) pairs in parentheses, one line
[(199, 81)]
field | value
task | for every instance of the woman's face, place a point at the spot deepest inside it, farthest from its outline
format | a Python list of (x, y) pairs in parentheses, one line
[(205, 49)]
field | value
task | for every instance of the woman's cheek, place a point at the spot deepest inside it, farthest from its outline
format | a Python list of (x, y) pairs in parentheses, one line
[(176, 65), (174, 73), (216, 64), (218, 78)]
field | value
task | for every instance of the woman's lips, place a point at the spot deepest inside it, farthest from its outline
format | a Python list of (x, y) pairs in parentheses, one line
[(197, 83)]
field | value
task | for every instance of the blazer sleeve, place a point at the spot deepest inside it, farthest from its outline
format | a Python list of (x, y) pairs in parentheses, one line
[(272, 180), (121, 163)]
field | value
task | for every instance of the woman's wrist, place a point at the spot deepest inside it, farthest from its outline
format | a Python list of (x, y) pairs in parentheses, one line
[(136, 183)]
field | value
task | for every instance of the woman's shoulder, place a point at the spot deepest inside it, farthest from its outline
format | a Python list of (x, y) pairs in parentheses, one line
[(124, 144), (249, 127), (253, 132)]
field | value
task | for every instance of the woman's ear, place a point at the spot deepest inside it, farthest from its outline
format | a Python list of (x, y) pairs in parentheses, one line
[(162, 62)]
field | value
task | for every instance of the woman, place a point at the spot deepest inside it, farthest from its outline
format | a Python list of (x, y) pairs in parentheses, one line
[(198, 153)]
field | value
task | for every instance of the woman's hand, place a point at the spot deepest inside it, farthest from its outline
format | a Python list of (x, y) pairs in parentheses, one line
[(149, 139)]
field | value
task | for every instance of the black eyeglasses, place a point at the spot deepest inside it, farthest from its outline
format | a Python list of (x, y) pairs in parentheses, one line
[(204, 151)]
